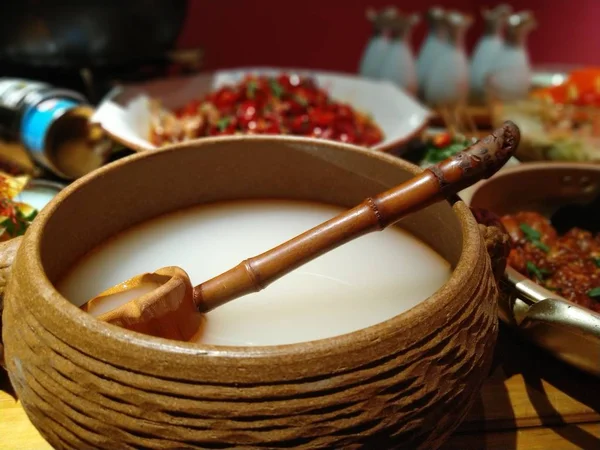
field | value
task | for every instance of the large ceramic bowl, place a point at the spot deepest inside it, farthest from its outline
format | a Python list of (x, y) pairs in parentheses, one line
[(570, 332), (404, 383), (124, 113)]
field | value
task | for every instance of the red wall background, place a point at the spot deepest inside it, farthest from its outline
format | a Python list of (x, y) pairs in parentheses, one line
[(331, 34)]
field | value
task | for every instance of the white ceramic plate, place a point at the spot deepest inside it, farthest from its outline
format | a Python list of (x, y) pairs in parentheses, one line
[(124, 112)]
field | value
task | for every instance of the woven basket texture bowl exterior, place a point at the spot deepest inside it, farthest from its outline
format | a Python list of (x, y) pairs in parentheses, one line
[(404, 383)]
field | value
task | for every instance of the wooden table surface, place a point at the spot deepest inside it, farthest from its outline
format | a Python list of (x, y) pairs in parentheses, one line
[(530, 401)]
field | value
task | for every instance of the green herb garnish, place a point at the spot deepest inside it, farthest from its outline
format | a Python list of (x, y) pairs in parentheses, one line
[(251, 89), (276, 88), (301, 100), (541, 246), (17, 225), (32, 215), (597, 261), (594, 293), (533, 236), (534, 270), (223, 123), (435, 155), (530, 234)]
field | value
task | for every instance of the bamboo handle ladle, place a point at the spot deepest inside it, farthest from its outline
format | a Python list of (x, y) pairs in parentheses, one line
[(173, 309)]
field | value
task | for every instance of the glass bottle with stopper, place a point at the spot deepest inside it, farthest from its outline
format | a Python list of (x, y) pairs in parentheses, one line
[(488, 48), (54, 125), (510, 78), (433, 44), (379, 42), (399, 63)]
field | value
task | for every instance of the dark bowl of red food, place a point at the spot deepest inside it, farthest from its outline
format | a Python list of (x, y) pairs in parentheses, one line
[(551, 211)]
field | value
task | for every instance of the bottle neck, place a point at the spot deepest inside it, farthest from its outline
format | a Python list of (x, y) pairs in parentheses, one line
[(376, 30), (435, 22), (516, 38), (401, 35), (439, 32), (456, 38), (493, 28)]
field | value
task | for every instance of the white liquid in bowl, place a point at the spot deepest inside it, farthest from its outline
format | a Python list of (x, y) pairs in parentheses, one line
[(362, 283)]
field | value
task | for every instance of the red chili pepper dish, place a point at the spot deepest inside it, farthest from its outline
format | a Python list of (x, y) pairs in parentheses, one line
[(286, 104)]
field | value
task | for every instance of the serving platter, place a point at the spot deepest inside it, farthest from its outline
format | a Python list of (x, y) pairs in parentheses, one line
[(565, 329), (124, 113)]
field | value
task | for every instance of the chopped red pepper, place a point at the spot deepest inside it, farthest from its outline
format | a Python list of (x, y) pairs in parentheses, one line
[(286, 104), (442, 140)]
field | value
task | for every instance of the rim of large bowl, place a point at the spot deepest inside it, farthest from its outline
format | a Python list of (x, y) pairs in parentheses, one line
[(70, 313), (523, 170), (543, 166)]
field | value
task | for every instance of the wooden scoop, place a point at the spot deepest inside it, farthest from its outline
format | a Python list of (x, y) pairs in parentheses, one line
[(171, 308)]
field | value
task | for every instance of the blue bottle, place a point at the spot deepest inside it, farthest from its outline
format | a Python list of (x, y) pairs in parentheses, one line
[(53, 125)]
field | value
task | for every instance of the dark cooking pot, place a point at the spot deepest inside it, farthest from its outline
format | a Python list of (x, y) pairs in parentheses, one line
[(91, 33)]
